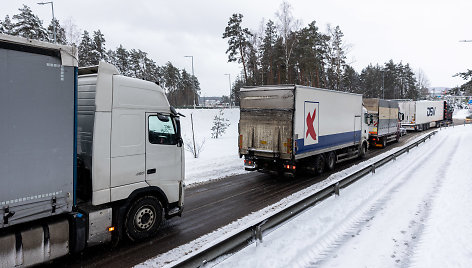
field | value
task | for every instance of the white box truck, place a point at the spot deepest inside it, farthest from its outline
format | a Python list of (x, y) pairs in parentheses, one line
[(86, 155), (421, 115), (289, 127), (383, 121)]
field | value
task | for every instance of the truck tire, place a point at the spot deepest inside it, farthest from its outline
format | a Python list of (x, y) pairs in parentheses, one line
[(363, 150), (143, 218), (330, 160), (319, 164)]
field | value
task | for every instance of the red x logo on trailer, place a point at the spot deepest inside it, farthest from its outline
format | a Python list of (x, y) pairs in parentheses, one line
[(309, 123)]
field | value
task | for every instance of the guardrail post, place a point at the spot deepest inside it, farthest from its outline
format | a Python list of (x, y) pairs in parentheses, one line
[(258, 232), (204, 262), (336, 189), (394, 157), (373, 169)]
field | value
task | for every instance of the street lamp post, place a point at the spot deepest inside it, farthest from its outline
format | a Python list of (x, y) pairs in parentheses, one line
[(193, 76), (53, 19), (383, 83), (229, 80)]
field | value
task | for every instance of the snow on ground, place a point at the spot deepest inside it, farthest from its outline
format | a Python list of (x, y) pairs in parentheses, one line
[(171, 257), (414, 212), (461, 114), (219, 157)]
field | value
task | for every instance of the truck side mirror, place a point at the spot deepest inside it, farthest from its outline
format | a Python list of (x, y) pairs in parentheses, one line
[(401, 116), (369, 119)]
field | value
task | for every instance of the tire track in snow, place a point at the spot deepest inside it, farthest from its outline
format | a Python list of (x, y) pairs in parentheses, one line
[(333, 240), (426, 208), (412, 235)]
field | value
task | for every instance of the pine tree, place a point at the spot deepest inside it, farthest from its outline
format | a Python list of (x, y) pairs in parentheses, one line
[(171, 79), (350, 81), (310, 55), (28, 25), (60, 32), (220, 124), (121, 60), (2, 29), (98, 51), (85, 48), (237, 41), (336, 57), (267, 53)]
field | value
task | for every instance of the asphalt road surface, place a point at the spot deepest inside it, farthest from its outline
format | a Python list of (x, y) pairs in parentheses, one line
[(207, 208)]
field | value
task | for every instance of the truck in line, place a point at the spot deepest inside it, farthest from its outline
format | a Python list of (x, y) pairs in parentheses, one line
[(383, 121), (424, 114), (289, 127), (86, 155)]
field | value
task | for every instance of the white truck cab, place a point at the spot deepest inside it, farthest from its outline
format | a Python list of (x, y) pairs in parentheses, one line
[(130, 146)]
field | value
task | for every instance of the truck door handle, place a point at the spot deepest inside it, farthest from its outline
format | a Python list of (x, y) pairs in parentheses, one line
[(151, 171)]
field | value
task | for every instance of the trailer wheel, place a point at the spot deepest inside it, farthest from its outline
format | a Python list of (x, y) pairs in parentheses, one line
[(143, 218), (319, 164), (330, 160), (363, 150)]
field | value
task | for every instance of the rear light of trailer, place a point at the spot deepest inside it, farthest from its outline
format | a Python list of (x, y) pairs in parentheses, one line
[(290, 167), (248, 162)]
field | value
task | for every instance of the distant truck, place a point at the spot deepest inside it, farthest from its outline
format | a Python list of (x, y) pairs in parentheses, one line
[(289, 127), (383, 120), (421, 115), (86, 154)]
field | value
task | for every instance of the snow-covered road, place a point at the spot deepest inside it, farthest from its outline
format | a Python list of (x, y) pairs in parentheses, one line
[(412, 212)]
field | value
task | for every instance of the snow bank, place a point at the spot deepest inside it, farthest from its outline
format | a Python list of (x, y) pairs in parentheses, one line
[(414, 212), (219, 157), (461, 114)]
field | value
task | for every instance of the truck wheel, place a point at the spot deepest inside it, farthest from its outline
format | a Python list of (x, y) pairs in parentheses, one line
[(363, 150), (143, 218), (319, 164), (330, 160), (384, 142)]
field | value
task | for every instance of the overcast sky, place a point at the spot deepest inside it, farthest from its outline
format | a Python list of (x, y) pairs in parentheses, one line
[(423, 33)]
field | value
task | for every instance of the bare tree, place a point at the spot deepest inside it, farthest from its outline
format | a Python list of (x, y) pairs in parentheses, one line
[(422, 83), (73, 32), (194, 149), (287, 26)]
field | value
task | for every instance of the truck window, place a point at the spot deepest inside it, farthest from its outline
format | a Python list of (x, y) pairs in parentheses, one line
[(162, 130)]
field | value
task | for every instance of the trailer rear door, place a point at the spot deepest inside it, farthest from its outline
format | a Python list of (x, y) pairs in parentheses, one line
[(266, 122)]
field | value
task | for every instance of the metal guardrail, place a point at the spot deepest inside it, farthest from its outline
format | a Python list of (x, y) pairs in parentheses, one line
[(255, 232)]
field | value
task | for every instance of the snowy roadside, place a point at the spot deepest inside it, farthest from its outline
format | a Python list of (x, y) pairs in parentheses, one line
[(173, 256), (412, 212), (461, 114), (218, 158)]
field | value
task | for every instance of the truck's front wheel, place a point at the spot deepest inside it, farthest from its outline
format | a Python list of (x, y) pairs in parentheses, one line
[(143, 218)]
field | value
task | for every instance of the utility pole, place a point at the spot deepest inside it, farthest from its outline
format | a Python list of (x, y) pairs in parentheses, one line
[(229, 80), (53, 19)]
